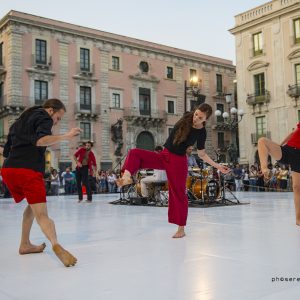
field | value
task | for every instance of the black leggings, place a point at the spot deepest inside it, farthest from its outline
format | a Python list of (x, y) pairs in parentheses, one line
[(82, 177)]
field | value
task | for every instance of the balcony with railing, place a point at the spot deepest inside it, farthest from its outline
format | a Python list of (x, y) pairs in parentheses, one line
[(254, 99), (44, 65), (88, 71), (13, 104), (86, 112), (142, 117), (255, 136), (294, 90)]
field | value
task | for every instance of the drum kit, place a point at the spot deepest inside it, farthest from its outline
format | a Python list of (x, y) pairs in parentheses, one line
[(201, 188), (157, 191)]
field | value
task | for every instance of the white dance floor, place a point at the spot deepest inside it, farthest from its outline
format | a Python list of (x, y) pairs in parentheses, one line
[(127, 253)]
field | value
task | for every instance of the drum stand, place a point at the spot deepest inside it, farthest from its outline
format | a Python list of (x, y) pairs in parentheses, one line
[(223, 199)]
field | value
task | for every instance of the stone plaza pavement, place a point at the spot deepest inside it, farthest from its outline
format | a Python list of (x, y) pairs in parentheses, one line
[(126, 252)]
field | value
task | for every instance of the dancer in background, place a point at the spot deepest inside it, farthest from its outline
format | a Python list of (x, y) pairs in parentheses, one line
[(288, 153), (190, 129), (24, 168), (85, 164)]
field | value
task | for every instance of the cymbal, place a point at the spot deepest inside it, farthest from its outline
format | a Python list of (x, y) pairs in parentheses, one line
[(196, 169)]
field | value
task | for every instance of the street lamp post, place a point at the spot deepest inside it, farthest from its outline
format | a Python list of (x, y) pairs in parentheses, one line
[(230, 122), (194, 89)]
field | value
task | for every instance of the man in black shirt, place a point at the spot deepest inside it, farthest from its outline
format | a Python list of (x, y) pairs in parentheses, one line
[(24, 167)]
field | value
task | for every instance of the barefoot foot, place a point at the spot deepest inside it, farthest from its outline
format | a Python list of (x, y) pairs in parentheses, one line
[(29, 248), (179, 234), (65, 257), (124, 181)]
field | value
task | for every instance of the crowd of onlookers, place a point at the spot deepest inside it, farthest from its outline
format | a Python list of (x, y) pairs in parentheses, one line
[(101, 182), (65, 182), (243, 178)]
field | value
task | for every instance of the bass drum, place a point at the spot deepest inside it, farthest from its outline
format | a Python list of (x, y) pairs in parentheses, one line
[(213, 190), (189, 182), (199, 188)]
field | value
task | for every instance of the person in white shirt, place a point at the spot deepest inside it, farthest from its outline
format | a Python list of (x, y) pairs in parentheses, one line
[(158, 176)]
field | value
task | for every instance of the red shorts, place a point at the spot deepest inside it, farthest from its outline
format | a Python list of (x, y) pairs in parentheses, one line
[(25, 183)]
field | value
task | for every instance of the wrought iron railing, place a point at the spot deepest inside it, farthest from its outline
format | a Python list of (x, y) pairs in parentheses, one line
[(153, 114), (93, 109), (255, 136), (294, 90), (253, 99)]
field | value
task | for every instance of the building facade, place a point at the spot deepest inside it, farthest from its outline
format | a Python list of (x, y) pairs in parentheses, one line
[(268, 73), (122, 92)]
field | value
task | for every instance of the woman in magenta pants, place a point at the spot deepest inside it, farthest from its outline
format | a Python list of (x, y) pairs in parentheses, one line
[(190, 129)]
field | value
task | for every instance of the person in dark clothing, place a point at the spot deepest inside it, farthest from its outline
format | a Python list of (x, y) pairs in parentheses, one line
[(287, 153), (190, 129), (24, 167), (85, 165)]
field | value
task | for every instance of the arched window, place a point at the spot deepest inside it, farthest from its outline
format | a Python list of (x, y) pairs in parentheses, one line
[(145, 141)]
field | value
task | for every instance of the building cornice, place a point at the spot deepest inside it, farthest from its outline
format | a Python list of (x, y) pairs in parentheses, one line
[(264, 18)]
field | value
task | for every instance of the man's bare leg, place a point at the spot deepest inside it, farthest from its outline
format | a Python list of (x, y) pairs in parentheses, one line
[(296, 189), (267, 147), (47, 225), (125, 179), (180, 232), (25, 246)]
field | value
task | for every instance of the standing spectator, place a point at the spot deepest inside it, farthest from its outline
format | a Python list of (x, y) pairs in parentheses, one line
[(111, 179), (246, 179), (283, 178), (260, 180), (253, 178), (238, 175), (54, 183), (86, 163), (68, 179), (102, 181)]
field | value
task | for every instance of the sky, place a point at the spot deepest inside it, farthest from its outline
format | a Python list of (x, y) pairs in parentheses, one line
[(194, 25)]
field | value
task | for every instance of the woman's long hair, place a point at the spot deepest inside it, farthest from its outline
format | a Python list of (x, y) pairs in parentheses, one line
[(184, 125), (54, 103)]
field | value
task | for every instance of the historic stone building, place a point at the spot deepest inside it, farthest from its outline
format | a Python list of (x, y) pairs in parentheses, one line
[(121, 91), (268, 73)]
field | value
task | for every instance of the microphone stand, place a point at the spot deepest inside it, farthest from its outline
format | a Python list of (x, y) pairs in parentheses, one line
[(122, 198)]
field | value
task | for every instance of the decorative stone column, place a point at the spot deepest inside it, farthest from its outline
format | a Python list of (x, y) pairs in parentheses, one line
[(14, 77), (206, 91), (64, 97), (106, 161)]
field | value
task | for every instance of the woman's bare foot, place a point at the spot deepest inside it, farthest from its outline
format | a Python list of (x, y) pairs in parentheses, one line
[(29, 248), (123, 181), (180, 233), (298, 223), (66, 257)]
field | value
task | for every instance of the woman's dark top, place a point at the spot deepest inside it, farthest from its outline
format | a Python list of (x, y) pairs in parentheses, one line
[(20, 149), (195, 135)]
